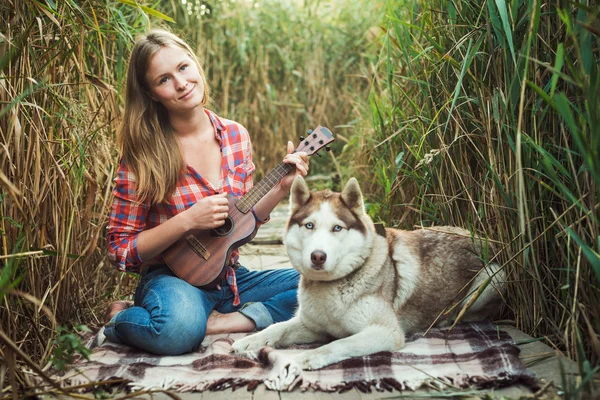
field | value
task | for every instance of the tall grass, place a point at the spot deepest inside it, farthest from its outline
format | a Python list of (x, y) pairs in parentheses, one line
[(277, 70), (487, 115), (60, 66)]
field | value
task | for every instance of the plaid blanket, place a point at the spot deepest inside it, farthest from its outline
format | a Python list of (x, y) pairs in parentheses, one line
[(470, 355)]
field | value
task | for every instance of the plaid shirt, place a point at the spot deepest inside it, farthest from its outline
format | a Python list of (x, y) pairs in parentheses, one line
[(129, 217)]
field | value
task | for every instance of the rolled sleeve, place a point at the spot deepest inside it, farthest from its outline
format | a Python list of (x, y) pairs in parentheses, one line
[(258, 313)]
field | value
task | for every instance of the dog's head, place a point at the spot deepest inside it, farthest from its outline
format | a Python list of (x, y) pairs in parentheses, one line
[(328, 234)]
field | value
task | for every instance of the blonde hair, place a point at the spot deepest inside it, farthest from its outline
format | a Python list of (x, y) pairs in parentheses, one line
[(146, 140)]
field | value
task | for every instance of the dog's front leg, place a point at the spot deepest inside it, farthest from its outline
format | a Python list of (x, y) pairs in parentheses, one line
[(277, 335), (371, 340)]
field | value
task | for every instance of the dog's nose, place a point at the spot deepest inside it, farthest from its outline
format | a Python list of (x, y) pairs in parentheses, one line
[(318, 258)]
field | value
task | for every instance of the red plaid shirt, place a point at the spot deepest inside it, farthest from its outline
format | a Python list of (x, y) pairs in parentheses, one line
[(129, 217)]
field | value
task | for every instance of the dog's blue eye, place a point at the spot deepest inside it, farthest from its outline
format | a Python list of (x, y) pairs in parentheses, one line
[(337, 228), (309, 225)]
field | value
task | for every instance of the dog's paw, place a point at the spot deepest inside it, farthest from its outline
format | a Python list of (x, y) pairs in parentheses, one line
[(310, 360), (250, 343), (285, 375)]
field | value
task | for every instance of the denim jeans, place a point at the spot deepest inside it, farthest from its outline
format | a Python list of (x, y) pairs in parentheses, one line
[(169, 315)]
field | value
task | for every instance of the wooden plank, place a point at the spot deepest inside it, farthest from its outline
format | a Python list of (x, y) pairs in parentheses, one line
[(262, 393)]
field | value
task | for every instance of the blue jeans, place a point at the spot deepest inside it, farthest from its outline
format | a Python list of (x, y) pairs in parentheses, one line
[(169, 316)]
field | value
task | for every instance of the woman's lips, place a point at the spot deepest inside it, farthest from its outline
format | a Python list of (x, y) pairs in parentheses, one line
[(188, 93)]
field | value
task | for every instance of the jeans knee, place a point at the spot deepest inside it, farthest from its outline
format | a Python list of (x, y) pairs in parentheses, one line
[(169, 319), (291, 278), (178, 334)]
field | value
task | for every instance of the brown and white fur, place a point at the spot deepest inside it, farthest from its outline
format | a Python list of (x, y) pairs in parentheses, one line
[(369, 291)]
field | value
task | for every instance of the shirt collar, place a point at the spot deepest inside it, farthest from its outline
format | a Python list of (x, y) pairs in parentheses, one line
[(216, 122)]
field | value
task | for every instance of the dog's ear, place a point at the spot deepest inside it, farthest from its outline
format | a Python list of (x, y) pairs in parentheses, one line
[(299, 194), (352, 197)]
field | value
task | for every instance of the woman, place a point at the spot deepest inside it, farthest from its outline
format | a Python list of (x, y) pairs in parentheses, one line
[(179, 160)]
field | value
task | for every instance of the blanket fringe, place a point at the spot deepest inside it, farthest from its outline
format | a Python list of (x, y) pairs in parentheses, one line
[(363, 386), (220, 385), (391, 384)]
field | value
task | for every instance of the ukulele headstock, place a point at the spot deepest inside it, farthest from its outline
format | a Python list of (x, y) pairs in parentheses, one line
[(315, 140)]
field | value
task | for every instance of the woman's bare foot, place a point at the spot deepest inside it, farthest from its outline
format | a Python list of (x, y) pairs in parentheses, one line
[(228, 323), (115, 307)]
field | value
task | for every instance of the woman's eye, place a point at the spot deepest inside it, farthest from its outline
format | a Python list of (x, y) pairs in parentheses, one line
[(163, 80), (337, 228), (183, 67), (309, 225)]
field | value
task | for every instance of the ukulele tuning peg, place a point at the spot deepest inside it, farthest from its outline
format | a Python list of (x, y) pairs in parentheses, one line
[(309, 131), (327, 148), (301, 137)]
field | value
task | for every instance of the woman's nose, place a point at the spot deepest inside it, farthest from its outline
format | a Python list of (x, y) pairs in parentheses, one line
[(180, 83)]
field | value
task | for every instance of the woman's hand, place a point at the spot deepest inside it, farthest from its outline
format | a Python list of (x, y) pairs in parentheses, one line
[(299, 160), (208, 213)]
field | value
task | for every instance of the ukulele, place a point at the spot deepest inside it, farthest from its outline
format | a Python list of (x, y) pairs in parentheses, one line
[(200, 257)]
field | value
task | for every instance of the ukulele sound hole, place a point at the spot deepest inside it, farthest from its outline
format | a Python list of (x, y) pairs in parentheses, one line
[(224, 229)]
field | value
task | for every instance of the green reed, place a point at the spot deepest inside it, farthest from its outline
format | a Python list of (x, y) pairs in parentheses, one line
[(486, 115)]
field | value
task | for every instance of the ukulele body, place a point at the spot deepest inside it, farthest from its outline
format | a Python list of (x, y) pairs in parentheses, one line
[(199, 257)]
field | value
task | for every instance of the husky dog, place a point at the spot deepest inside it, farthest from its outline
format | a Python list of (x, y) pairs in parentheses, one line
[(369, 290)]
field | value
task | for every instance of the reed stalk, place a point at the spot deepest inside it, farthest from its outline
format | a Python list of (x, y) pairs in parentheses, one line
[(485, 115)]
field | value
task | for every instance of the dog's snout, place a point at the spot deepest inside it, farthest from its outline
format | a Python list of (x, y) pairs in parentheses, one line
[(318, 258)]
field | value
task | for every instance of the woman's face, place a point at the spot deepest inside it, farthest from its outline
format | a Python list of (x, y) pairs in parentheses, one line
[(174, 80)]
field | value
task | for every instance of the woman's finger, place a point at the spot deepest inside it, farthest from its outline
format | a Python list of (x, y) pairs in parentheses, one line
[(303, 170)]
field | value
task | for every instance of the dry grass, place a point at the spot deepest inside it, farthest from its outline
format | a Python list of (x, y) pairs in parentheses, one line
[(62, 65), (59, 71), (57, 143)]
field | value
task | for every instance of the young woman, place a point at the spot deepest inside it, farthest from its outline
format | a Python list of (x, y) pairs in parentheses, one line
[(179, 160)]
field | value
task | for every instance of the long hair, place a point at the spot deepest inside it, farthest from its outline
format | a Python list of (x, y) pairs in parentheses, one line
[(146, 140)]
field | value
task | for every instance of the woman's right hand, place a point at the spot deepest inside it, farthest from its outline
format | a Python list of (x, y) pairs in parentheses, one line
[(208, 213)]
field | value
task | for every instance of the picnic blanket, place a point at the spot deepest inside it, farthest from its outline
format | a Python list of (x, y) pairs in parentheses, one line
[(468, 356)]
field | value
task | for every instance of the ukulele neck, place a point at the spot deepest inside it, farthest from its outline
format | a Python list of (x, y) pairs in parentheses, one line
[(263, 187)]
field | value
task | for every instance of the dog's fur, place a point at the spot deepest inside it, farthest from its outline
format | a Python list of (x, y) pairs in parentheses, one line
[(369, 291)]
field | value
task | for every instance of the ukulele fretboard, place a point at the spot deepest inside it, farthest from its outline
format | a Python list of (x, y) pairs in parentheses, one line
[(259, 190)]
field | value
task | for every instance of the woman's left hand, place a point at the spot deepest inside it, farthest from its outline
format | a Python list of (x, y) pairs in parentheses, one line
[(300, 160)]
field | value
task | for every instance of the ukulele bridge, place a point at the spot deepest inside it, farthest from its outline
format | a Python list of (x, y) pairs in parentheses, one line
[(197, 247)]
